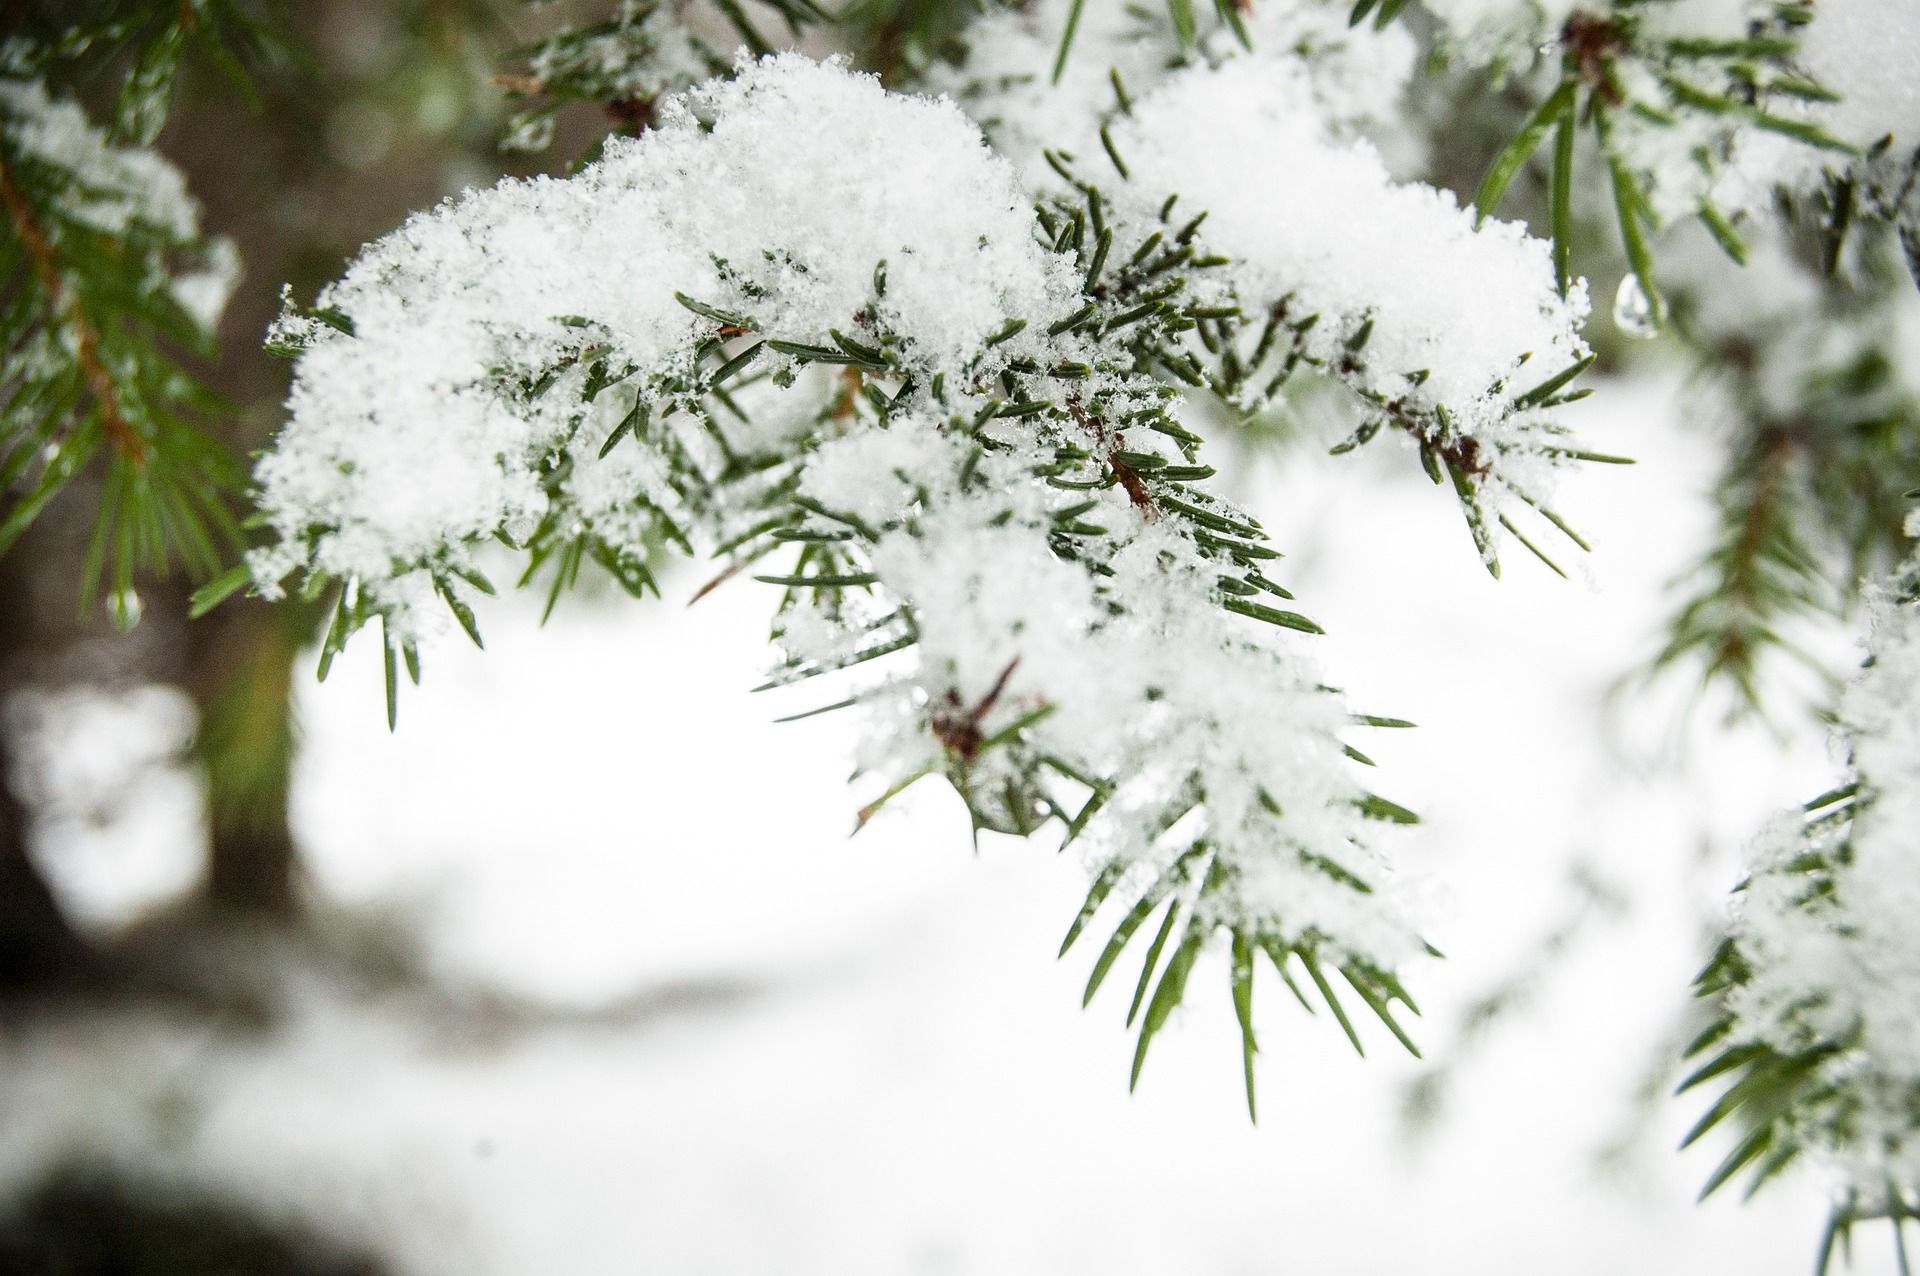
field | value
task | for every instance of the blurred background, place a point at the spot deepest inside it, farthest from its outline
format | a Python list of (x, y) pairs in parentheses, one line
[(581, 970)]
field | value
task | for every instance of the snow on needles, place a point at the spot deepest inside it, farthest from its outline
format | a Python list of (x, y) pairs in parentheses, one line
[(122, 186), (999, 518), (1699, 124), (1829, 970), (1222, 752), (1441, 325)]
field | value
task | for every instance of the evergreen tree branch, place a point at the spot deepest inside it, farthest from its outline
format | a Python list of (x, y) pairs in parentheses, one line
[(1809, 1038), (86, 343), (1823, 437), (941, 428), (104, 276)]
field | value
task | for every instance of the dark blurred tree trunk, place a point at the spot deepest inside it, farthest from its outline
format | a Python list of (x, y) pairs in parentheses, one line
[(251, 870), (240, 674), (38, 945)]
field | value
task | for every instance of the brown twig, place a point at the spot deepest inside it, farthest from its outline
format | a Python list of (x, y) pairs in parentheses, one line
[(1592, 42), (958, 727), (1123, 474)]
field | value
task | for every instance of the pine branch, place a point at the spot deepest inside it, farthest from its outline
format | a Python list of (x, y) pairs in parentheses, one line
[(1809, 1039), (1285, 308), (1637, 85), (105, 277), (1824, 446), (1760, 576), (86, 343), (942, 433), (143, 44)]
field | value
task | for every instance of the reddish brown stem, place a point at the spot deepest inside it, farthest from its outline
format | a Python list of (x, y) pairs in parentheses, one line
[(120, 432)]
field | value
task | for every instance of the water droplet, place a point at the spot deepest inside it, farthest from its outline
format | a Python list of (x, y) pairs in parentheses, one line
[(124, 606), (1634, 313)]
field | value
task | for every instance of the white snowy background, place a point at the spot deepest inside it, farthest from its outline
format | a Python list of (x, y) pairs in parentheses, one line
[(789, 1051)]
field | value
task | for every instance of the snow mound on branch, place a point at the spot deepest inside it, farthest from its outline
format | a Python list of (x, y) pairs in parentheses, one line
[(773, 194), (1455, 310)]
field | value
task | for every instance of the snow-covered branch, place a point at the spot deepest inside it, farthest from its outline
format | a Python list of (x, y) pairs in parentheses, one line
[(1001, 518), (106, 275), (1817, 983)]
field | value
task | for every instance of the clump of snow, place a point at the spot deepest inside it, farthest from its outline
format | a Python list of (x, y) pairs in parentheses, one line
[(774, 195), (118, 822), (1417, 306), (204, 292), (1323, 224), (115, 187)]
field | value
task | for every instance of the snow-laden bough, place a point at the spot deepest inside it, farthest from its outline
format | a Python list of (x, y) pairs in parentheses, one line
[(1816, 984), (818, 327)]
